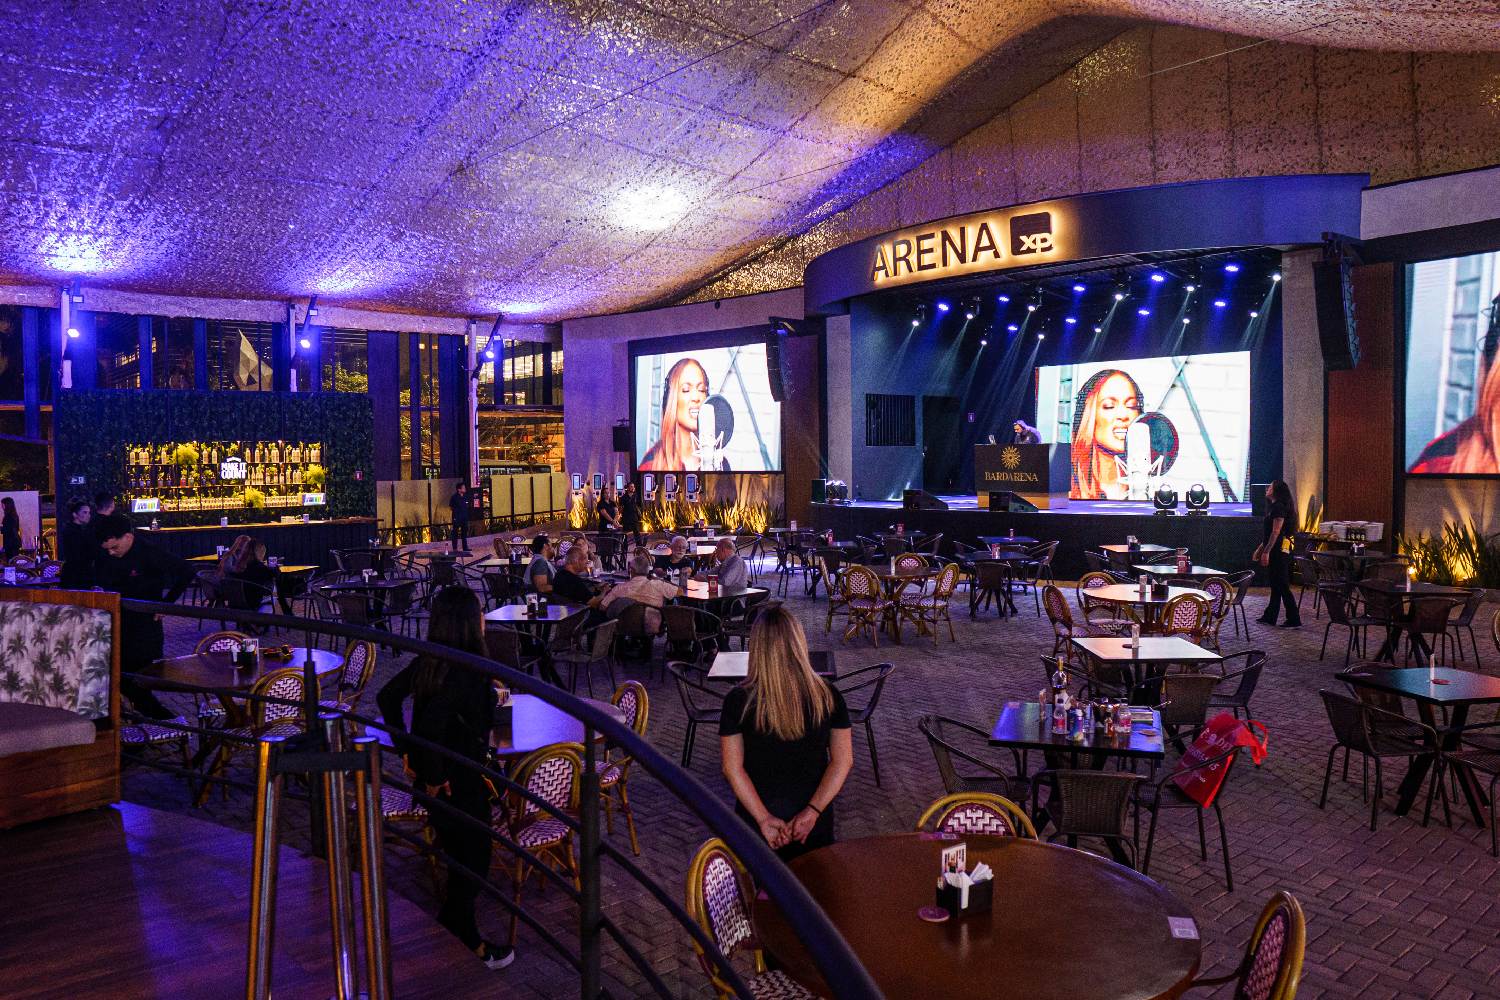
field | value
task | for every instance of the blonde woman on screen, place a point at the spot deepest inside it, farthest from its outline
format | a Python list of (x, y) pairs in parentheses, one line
[(682, 398), (1108, 403), (1474, 445)]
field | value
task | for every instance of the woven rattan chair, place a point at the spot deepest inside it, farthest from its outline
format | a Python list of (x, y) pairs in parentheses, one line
[(354, 674), (1089, 803), (1097, 614), (550, 774), (872, 679), (1220, 593), (210, 710), (1376, 735), (614, 770), (976, 813), (1272, 965), (283, 717), (157, 740), (929, 609), (718, 899), (958, 745), (865, 603), (1189, 616), (1064, 628)]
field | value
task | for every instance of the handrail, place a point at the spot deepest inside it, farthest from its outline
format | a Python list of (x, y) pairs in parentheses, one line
[(839, 966)]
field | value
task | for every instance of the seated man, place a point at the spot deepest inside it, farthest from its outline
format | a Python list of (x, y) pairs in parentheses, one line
[(642, 588), (540, 573), (571, 584), (732, 571), (676, 559)]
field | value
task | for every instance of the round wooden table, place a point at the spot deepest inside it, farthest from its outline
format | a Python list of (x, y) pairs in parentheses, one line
[(1151, 605), (214, 669), (1065, 924), (893, 581), (536, 724)]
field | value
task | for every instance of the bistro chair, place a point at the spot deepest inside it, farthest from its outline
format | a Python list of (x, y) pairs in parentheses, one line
[(1341, 612), (929, 546), (1485, 759), (550, 774), (1096, 561), (509, 646), (957, 744), (1376, 734), (872, 678), (501, 589), (1184, 704), (976, 813), (596, 646), (690, 632), (1036, 568), (701, 704), (1309, 575), (1163, 793), (1237, 697), (1089, 803), (718, 895), (827, 564), (740, 614), (400, 811), (1220, 593), (747, 546), (614, 770), (1098, 614), (158, 739), (1063, 626), (354, 674), (210, 710), (1189, 616), (1272, 964), (1390, 571), (992, 580), (1464, 622), (282, 717), (927, 610), (1427, 625), (864, 603), (1241, 582), (895, 545)]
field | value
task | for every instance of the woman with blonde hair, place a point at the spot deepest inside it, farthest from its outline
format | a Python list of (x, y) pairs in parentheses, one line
[(785, 741), (1108, 403), (682, 399)]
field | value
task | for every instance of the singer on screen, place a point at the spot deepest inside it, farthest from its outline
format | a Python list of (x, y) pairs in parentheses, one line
[(682, 403), (1108, 403), (1473, 447)]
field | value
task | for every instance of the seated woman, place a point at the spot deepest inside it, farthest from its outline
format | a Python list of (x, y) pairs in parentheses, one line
[(245, 561), (785, 740)]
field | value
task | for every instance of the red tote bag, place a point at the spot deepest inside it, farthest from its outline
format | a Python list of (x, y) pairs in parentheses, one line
[(1222, 733)]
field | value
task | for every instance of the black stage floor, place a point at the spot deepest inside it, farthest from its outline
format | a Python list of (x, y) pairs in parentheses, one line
[(1224, 538)]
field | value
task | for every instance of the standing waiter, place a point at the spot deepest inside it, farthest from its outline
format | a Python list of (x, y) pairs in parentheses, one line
[(630, 514), (458, 503)]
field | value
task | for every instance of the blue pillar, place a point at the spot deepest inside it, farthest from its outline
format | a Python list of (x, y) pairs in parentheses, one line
[(200, 355), (383, 365), (32, 375), (143, 326)]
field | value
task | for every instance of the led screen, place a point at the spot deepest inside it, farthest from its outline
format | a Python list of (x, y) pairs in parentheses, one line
[(1452, 381), (706, 411), (1132, 426)]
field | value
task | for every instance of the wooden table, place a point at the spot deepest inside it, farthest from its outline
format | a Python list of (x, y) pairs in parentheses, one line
[(1194, 572), (1066, 925), (535, 724), (1402, 594), (1155, 650), (1129, 595), (216, 670), (1464, 688), (732, 666)]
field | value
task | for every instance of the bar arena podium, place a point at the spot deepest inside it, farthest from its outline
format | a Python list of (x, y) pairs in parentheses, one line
[(1020, 469)]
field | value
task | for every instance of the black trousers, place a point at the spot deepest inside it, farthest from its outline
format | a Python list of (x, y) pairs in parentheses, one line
[(461, 534), (468, 847), (141, 644), (1280, 572)]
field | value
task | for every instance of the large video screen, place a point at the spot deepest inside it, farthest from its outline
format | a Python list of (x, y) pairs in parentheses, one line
[(706, 411), (1452, 379), (1133, 426)]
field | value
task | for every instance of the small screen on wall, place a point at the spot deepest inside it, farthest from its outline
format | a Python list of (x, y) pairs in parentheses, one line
[(1452, 374), (706, 411)]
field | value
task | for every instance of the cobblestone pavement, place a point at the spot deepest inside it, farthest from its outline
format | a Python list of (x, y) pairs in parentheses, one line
[(1403, 912)]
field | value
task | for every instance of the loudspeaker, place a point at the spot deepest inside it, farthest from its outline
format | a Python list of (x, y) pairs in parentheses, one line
[(1333, 290), (622, 437), (776, 372), (1014, 502), (1259, 504), (921, 500), (820, 491)]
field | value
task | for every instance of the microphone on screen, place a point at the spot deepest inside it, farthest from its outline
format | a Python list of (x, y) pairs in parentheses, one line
[(715, 428), (1138, 459)]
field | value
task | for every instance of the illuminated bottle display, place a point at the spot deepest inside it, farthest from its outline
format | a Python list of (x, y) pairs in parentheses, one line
[(222, 476)]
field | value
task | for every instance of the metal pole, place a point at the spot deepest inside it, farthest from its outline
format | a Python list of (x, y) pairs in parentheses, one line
[(377, 921), (313, 740), (340, 886), (263, 875), (588, 869)]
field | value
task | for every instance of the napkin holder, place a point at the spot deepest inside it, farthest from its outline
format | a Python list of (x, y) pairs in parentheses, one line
[(504, 722), (1160, 590), (981, 898)]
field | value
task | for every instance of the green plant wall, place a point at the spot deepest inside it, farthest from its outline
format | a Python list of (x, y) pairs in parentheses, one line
[(92, 429)]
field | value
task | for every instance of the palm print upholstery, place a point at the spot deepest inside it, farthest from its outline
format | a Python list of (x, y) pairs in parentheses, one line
[(1266, 962), (56, 655), (977, 818)]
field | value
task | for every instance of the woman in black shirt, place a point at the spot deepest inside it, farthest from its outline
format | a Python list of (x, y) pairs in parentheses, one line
[(1279, 525), (10, 529), (785, 740), (608, 509)]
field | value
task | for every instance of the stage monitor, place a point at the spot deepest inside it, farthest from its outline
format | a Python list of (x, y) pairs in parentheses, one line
[(706, 411), (1452, 378), (1133, 426), (922, 500)]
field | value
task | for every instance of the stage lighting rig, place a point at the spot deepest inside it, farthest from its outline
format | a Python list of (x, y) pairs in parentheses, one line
[(1197, 499), (1164, 500)]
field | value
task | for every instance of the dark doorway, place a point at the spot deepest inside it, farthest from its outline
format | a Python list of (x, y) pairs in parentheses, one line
[(942, 444)]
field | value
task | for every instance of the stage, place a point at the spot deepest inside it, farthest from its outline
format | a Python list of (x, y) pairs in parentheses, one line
[(1224, 538)]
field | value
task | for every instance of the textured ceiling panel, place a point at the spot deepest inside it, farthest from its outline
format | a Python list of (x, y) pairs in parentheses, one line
[(548, 158)]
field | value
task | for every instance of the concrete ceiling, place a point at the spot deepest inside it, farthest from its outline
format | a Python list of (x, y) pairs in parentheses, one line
[(546, 159)]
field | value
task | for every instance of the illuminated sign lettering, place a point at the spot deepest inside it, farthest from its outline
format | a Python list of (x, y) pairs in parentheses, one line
[(969, 244)]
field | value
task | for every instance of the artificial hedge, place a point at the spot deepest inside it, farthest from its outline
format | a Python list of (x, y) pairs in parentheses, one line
[(92, 428)]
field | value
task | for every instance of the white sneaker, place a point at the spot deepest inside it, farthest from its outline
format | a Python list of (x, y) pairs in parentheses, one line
[(495, 957)]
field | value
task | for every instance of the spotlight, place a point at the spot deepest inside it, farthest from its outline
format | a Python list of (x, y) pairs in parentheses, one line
[(1220, 303), (1012, 327), (1158, 277), (1119, 296), (1071, 320), (1004, 298), (1041, 336), (1079, 289), (943, 307), (1031, 307), (984, 343), (1186, 320), (1098, 329), (1143, 312), (1164, 500), (73, 332), (304, 343), (489, 354), (1232, 268), (1191, 289), (968, 315), (1276, 276), (1254, 314), (1197, 499), (916, 322)]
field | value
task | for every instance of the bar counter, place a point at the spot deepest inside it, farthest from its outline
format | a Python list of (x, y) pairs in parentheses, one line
[(307, 543)]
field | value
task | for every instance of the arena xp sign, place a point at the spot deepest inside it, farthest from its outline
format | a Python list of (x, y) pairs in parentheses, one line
[(958, 246)]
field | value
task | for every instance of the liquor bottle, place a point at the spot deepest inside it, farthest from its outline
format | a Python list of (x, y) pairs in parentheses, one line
[(276, 453), (1059, 700)]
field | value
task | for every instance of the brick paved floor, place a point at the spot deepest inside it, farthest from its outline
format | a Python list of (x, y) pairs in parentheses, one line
[(1403, 912)]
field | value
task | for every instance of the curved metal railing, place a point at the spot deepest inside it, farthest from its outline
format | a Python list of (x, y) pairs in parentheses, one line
[(840, 968)]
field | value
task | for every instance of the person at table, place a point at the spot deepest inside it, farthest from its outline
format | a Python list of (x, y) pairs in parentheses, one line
[(676, 558), (454, 708), (642, 588), (244, 561), (785, 740), (630, 513), (1024, 433), (76, 546), (541, 571), (1277, 527), (732, 571), (138, 570), (571, 583), (594, 566), (458, 509), (10, 528), (608, 510)]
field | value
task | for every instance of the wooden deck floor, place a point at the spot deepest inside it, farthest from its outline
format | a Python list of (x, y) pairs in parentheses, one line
[(135, 902)]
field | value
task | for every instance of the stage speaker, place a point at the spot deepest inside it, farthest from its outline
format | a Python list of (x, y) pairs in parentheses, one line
[(1259, 504), (820, 491), (1013, 502), (622, 437), (776, 372), (1333, 292), (921, 500)]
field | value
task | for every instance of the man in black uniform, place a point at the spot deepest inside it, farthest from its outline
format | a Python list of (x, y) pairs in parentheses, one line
[(458, 504), (138, 570), (78, 547), (630, 514)]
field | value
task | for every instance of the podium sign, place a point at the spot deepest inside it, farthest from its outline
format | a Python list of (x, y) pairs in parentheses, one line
[(1017, 468)]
